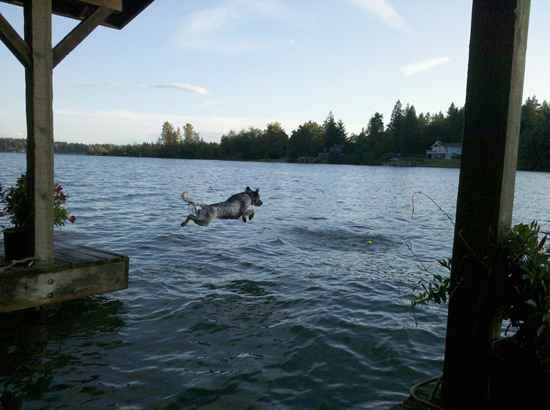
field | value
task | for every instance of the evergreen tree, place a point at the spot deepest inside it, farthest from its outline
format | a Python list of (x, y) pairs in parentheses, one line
[(531, 140), (395, 127), (369, 144), (335, 133), (455, 124), (408, 138), (375, 128)]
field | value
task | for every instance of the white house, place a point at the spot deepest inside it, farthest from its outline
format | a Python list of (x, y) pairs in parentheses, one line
[(443, 150)]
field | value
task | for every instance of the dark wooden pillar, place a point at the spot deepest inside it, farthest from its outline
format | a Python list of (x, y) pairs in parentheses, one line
[(38, 74), (486, 191)]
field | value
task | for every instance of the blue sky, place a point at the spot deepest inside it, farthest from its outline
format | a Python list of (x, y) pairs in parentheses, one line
[(231, 64)]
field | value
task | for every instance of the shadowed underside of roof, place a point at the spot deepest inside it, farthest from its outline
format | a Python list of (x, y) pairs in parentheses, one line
[(80, 9)]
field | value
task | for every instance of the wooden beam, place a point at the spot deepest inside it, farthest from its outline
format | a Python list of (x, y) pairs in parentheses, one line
[(81, 9), (79, 33), (14, 42), (496, 68), (113, 5), (23, 290), (38, 75)]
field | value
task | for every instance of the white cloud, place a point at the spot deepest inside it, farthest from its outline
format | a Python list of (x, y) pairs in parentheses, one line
[(424, 65), (208, 29), (210, 20), (383, 10), (197, 89), (191, 88), (98, 84)]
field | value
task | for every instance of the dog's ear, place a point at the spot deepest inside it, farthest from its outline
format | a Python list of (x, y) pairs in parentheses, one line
[(248, 189)]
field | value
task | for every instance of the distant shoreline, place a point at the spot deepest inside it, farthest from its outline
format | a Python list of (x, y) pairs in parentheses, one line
[(402, 163)]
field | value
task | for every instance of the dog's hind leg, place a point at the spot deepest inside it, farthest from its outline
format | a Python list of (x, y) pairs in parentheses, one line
[(197, 220), (189, 218)]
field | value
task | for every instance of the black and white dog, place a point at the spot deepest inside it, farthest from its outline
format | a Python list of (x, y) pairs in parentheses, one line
[(241, 205)]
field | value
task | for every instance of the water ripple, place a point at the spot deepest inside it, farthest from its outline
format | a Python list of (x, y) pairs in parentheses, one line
[(306, 306)]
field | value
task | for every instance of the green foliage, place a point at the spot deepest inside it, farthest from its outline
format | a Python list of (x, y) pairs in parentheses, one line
[(306, 141), (535, 135), (18, 205), (190, 136), (274, 142), (525, 298), (438, 289), (335, 133), (244, 145), (169, 135)]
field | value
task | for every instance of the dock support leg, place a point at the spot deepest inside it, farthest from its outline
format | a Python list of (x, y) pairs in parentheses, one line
[(40, 163), (486, 192)]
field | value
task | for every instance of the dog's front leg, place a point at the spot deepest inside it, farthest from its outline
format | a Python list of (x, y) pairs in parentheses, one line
[(249, 213), (244, 218)]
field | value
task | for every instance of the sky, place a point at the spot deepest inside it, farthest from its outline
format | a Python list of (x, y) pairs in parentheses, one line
[(233, 64)]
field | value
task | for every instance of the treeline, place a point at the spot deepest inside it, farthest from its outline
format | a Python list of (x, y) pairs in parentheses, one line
[(406, 135)]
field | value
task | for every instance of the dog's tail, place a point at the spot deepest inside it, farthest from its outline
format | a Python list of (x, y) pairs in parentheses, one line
[(185, 197)]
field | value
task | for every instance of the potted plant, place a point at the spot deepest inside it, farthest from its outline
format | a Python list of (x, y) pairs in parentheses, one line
[(17, 206)]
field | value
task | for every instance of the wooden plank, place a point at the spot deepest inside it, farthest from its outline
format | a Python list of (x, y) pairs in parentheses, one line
[(79, 33), (62, 261), (115, 5), (97, 254), (38, 14), (25, 290), (103, 251), (496, 69), (64, 245), (14, 42), (73, 257), (86, 255)]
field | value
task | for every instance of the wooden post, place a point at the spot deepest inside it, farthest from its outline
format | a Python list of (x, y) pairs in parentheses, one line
[(38, 75), (496, 68)]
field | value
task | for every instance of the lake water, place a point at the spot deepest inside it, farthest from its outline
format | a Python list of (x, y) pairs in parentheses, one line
[(305, 307)]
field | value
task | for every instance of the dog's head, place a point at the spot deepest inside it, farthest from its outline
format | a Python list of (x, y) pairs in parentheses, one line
[(254, 196)]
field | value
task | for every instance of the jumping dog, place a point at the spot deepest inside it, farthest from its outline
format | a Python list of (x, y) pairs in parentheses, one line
[(238, 206)]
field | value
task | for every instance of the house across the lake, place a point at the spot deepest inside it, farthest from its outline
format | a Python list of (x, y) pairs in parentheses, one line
[(443, 150)]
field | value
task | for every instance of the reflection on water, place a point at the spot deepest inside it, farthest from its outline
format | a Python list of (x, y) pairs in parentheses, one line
[(33, 345), (305, 307)]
